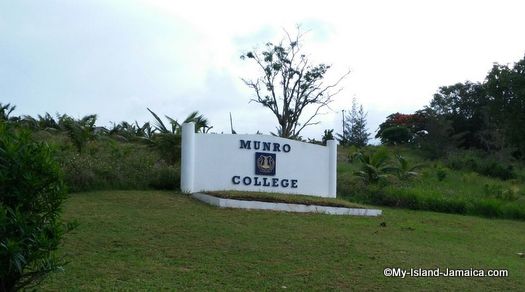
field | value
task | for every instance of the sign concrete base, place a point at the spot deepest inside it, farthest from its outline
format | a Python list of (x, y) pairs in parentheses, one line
[(258, 205)]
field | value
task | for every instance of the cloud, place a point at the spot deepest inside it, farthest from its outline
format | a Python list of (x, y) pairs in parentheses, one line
[(116, 58)]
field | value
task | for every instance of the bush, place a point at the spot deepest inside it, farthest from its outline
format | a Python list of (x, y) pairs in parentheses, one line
[(374, 167), (485, 166), (31, 196), (513, 211), (396, 135), (168, 146), (496, 169), (441, 174), (107, 164), (486, 208), (165, 177)]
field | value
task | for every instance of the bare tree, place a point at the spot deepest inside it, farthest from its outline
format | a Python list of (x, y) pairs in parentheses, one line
[(289, 84)]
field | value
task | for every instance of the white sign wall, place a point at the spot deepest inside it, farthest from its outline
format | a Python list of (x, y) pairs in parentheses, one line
[(213, 162)]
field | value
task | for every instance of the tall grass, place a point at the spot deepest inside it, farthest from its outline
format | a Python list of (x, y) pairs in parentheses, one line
[(107, 164)]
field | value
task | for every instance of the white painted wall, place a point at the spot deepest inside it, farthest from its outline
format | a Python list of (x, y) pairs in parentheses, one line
[(209, 161)]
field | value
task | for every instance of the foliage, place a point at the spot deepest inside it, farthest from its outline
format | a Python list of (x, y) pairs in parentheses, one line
[(327, 135), (108, 164), (80, 131), (396, 135), (476, 162), (465, 188), (31, 196), (354, 132), (132, 132), (168, 146), (488, 115), (201, 123), (441, 174), (374, 167), (161, 127), (289, 85), (404, 170), (168, 141), (464, 105), (5, 112), (436, 140), (95, 158), (400, 128), (505, 86), (165, 177)]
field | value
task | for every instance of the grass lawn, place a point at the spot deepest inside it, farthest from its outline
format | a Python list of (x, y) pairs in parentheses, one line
[(151, 240)]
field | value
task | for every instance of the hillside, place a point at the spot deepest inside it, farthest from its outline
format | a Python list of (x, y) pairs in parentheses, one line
[(464, 182)]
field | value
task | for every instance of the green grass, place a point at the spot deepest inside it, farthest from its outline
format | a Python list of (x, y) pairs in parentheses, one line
[(284, 198), (106, 164), (152, 240), (460, 191)]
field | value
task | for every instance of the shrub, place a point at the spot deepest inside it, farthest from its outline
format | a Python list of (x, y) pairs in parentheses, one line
[(496, 169), (31, 196), (513, 211), (439, 204), (165, 177), (396, 135), (468, 160), (374, 167), (168, 146), (405, 170), (486, 208), (107, 164), (441, 174)]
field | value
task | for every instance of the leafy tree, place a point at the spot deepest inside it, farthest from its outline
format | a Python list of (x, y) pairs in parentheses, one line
[(396, 135), (401, 128), (505, 87), (289, 84), (436, 138), (466, 106), (488, 115), (31, 196)]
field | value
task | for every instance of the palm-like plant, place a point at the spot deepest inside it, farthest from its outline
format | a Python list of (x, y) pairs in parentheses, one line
[(404, 170), (146, 131), (47, 122), (80, 131), (161, 127), (374, 167), (201, 123), (5, 112), (124, 131), (168, 140)]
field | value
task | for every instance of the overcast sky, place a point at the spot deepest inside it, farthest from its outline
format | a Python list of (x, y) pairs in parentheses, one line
[(115, 58)]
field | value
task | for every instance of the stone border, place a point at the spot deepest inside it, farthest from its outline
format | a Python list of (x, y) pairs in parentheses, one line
[(258, 205)]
